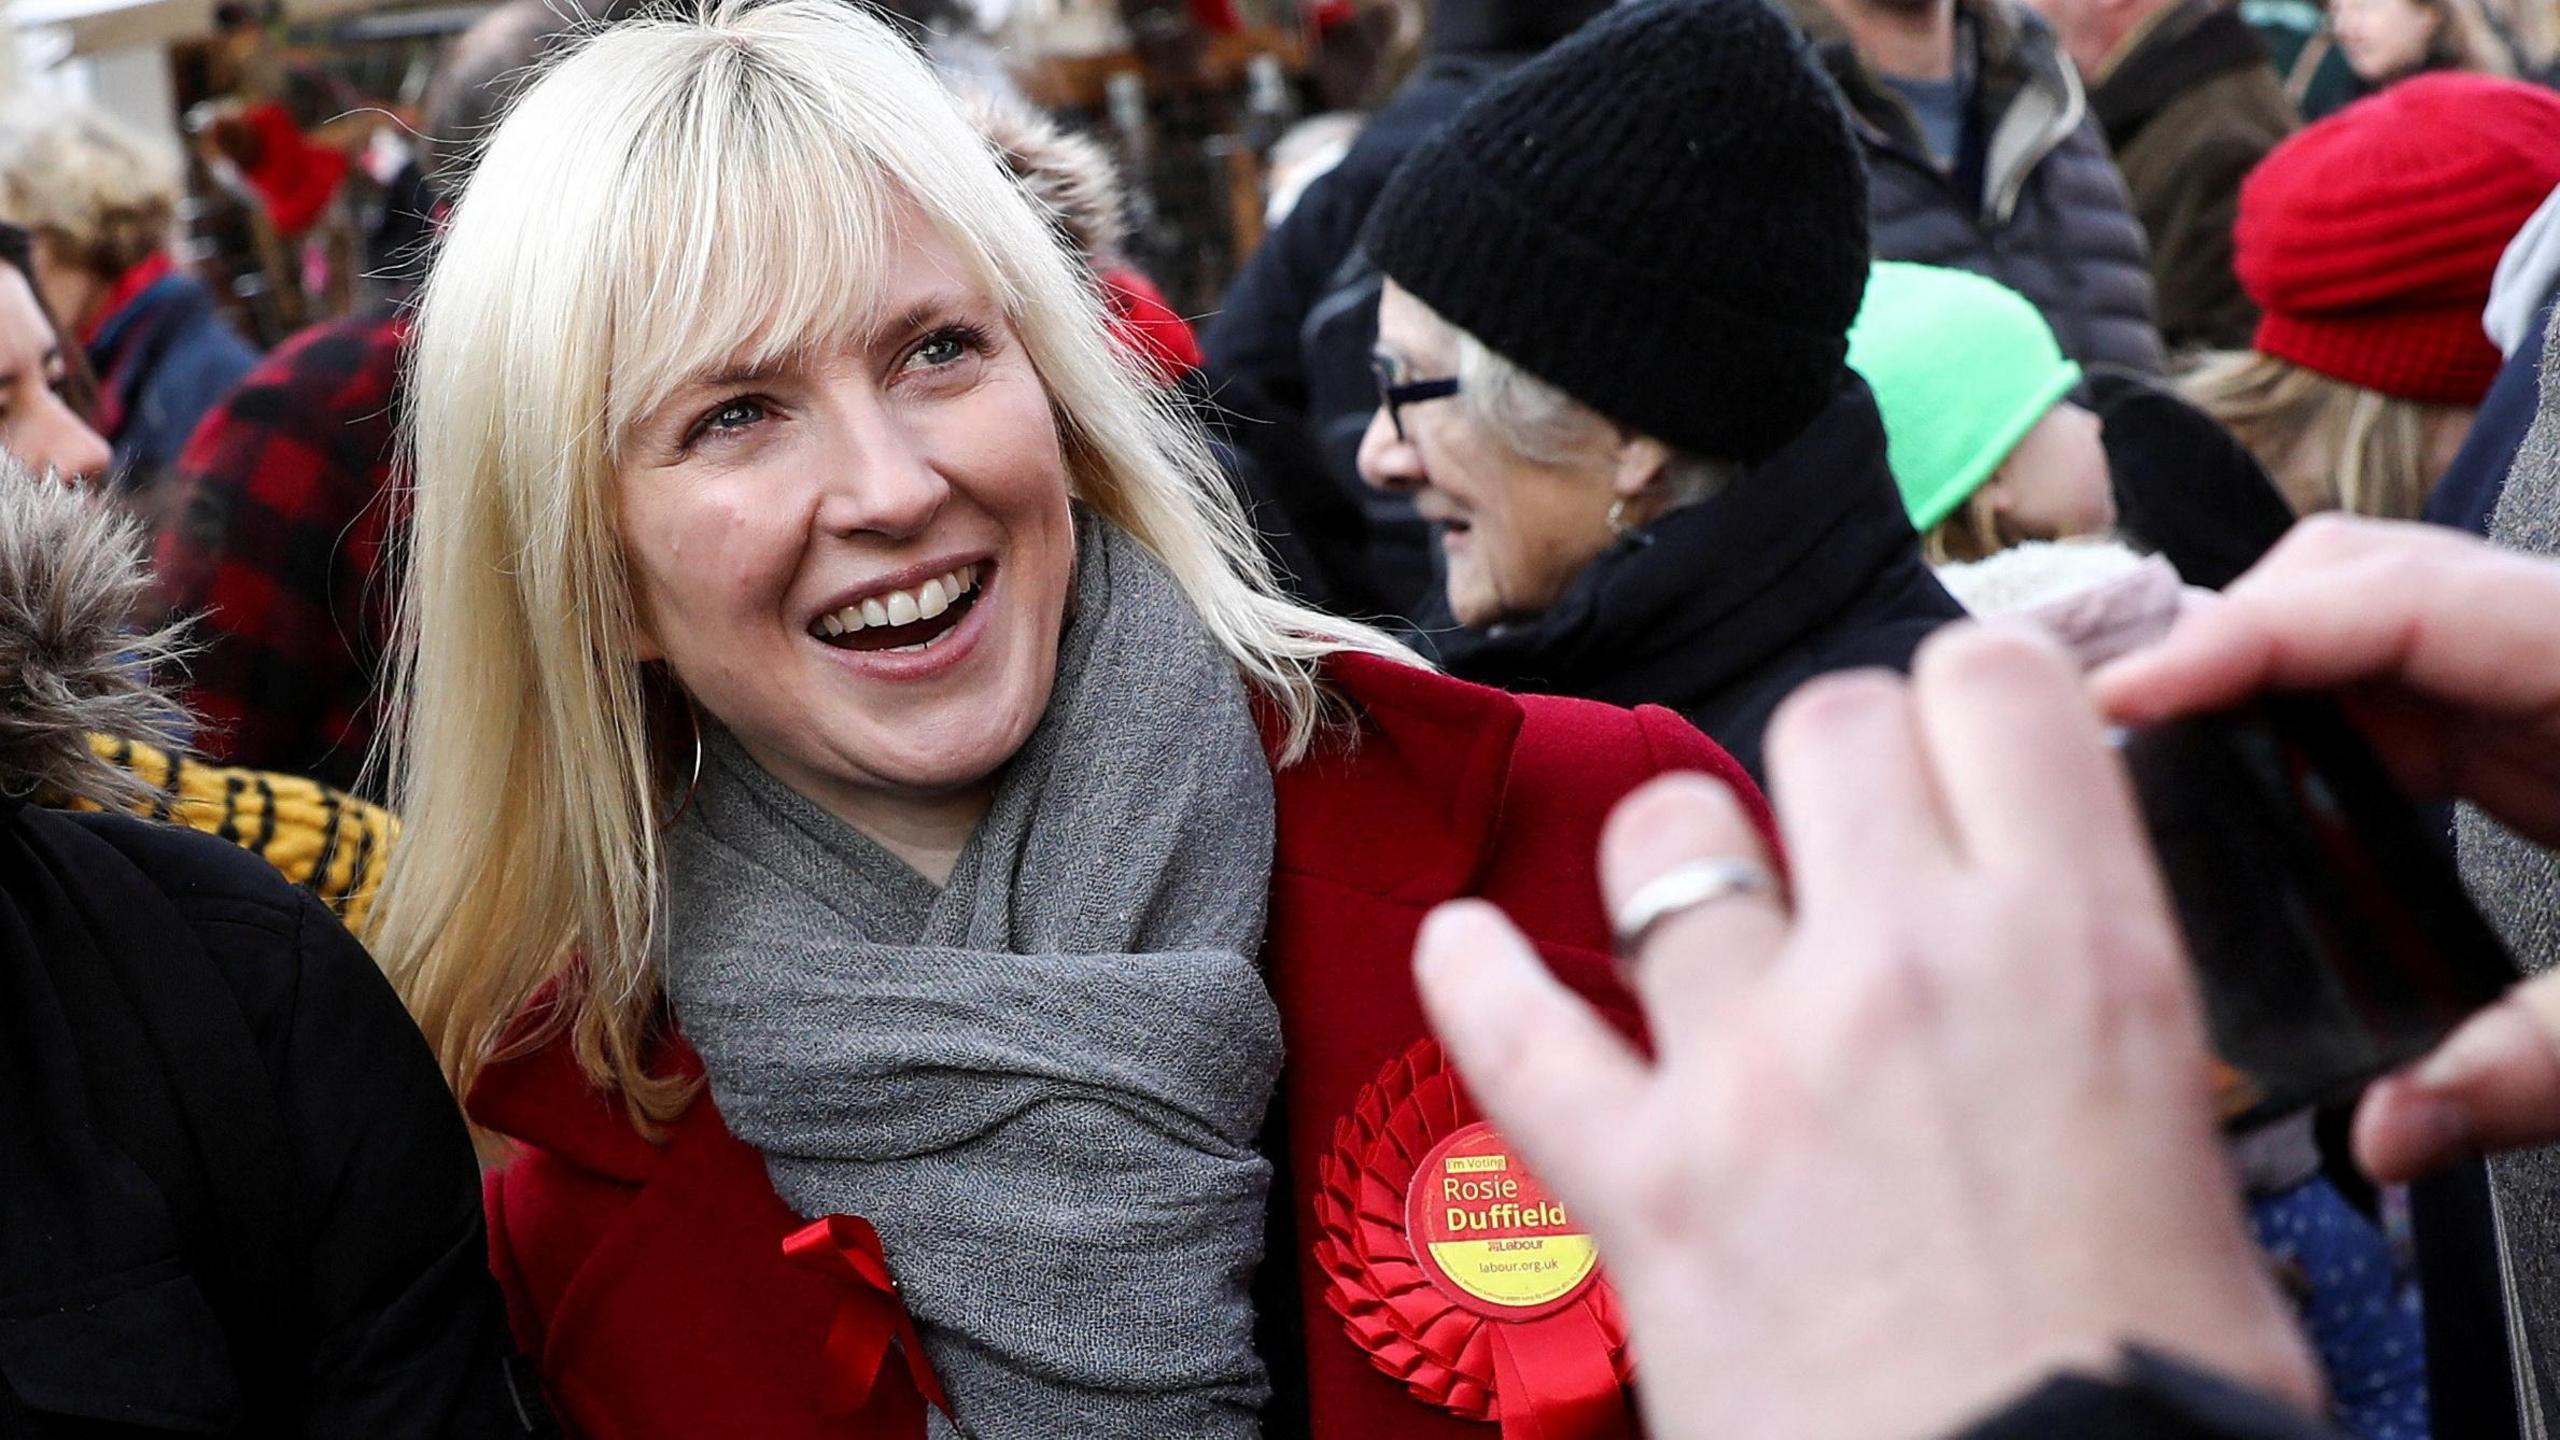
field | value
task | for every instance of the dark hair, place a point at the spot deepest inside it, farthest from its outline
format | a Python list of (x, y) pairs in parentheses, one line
[(79, 388), (18, 251)]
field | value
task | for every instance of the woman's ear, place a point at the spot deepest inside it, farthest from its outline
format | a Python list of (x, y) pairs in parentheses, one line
[(2002, 495), (1640, 461)]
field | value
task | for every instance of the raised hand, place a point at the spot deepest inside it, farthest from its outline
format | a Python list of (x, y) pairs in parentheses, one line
[(1935, 1130)]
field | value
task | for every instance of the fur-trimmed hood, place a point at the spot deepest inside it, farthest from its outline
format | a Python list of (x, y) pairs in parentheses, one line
[(1072, 176), (72, 582)]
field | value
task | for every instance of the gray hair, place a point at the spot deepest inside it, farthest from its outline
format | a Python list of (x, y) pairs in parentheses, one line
[(1537, 421)]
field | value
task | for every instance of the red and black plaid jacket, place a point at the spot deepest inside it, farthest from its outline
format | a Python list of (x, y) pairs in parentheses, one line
[(279, 548)]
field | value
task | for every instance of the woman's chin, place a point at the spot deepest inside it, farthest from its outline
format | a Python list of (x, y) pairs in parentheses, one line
[(1473, 607)]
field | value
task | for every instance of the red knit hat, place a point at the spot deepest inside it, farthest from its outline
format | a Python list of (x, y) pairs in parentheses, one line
[(2368, 239)]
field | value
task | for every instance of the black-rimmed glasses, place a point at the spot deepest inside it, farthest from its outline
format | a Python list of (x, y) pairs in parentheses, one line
[(1394, 395)]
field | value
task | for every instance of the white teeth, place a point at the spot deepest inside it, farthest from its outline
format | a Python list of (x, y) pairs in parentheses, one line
[(903, 607)]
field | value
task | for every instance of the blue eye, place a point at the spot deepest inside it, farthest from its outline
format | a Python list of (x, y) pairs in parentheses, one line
[(946, 347), (743, 412)]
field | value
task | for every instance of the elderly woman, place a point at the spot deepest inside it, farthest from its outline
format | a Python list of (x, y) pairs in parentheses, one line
[(867, 814), (1622, 402), (102, 204)]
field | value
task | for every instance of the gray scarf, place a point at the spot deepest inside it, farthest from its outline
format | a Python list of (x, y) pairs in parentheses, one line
[(1043, 1083)]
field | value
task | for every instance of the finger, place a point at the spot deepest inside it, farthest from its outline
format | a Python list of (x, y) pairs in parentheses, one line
[(2347, 602), (2494, 1086), (2024, 764), (1862, 819), (1542, 1066), (1694, 961)]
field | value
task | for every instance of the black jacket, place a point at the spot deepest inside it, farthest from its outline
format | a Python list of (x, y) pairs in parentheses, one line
[(2153, 1398), (240, 1199), (1720, 610), (2185, 489), (1290, 347), (2467, 497), (2035, 203)]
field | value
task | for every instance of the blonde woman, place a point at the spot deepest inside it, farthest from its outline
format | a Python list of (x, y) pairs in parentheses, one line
[(2368, 241), (867, 815)]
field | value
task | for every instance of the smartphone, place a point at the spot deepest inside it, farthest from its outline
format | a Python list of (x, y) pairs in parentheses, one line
[(2329, 930)]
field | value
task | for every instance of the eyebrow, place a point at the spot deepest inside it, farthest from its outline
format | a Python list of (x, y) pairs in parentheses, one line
[(723, 378), (927, 310), (915, 317)]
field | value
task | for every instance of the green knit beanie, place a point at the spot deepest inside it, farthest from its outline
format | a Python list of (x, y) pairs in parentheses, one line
[(1963, 368)]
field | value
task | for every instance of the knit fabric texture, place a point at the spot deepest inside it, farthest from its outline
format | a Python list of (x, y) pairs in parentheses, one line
[(1663, 216), (1045, 1080), (2369, 239), (325, 840), (1963, 368)]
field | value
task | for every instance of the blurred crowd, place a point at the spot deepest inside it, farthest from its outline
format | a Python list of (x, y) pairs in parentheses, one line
[(811, 808)]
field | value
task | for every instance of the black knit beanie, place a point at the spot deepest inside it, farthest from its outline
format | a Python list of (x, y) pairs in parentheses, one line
[(1664, 216), (1464, 27)]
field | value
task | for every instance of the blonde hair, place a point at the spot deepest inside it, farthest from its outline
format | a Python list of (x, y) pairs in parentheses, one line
[(1970, 532), (674, 193), (2327, 444), (103, 196)]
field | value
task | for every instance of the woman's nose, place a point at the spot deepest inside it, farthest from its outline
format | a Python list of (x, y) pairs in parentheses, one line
[(66, 445), (1386, 460), (888, 485)]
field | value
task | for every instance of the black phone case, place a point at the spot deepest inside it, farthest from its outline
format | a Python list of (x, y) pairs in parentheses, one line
[(2330, 933)]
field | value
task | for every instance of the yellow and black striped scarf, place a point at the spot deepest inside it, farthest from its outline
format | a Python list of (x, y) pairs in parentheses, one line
[(325, 840)]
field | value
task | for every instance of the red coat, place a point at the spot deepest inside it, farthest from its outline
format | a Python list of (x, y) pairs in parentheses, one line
[(651, 1283)]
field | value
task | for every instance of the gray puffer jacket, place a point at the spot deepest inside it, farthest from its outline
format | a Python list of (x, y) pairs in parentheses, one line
[(2048, 217)]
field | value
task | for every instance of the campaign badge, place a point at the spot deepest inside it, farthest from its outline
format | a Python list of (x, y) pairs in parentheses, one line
[(1458, 1273)]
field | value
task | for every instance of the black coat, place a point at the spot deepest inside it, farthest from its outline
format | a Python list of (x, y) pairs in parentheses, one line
[(239, 1197), (2185, 489), (2154, 1397), (1807, 564), (2467, 497), (2035, 203)]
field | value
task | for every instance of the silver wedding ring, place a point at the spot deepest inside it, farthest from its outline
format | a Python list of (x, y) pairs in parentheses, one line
[(1686, 887)]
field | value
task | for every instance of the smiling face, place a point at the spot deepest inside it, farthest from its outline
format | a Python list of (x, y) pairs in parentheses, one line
[(2383, 39), (858, 559), (1513, 530), (36, 424)]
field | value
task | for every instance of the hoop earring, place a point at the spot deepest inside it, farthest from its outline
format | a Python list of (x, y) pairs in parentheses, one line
[(695, 716)]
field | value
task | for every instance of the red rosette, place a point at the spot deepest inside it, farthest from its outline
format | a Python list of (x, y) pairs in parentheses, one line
[(1413, 1326)]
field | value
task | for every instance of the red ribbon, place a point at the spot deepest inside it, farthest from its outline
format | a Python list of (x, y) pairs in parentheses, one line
[(871, 1316), (1561, 1376), (1554, 1379)]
